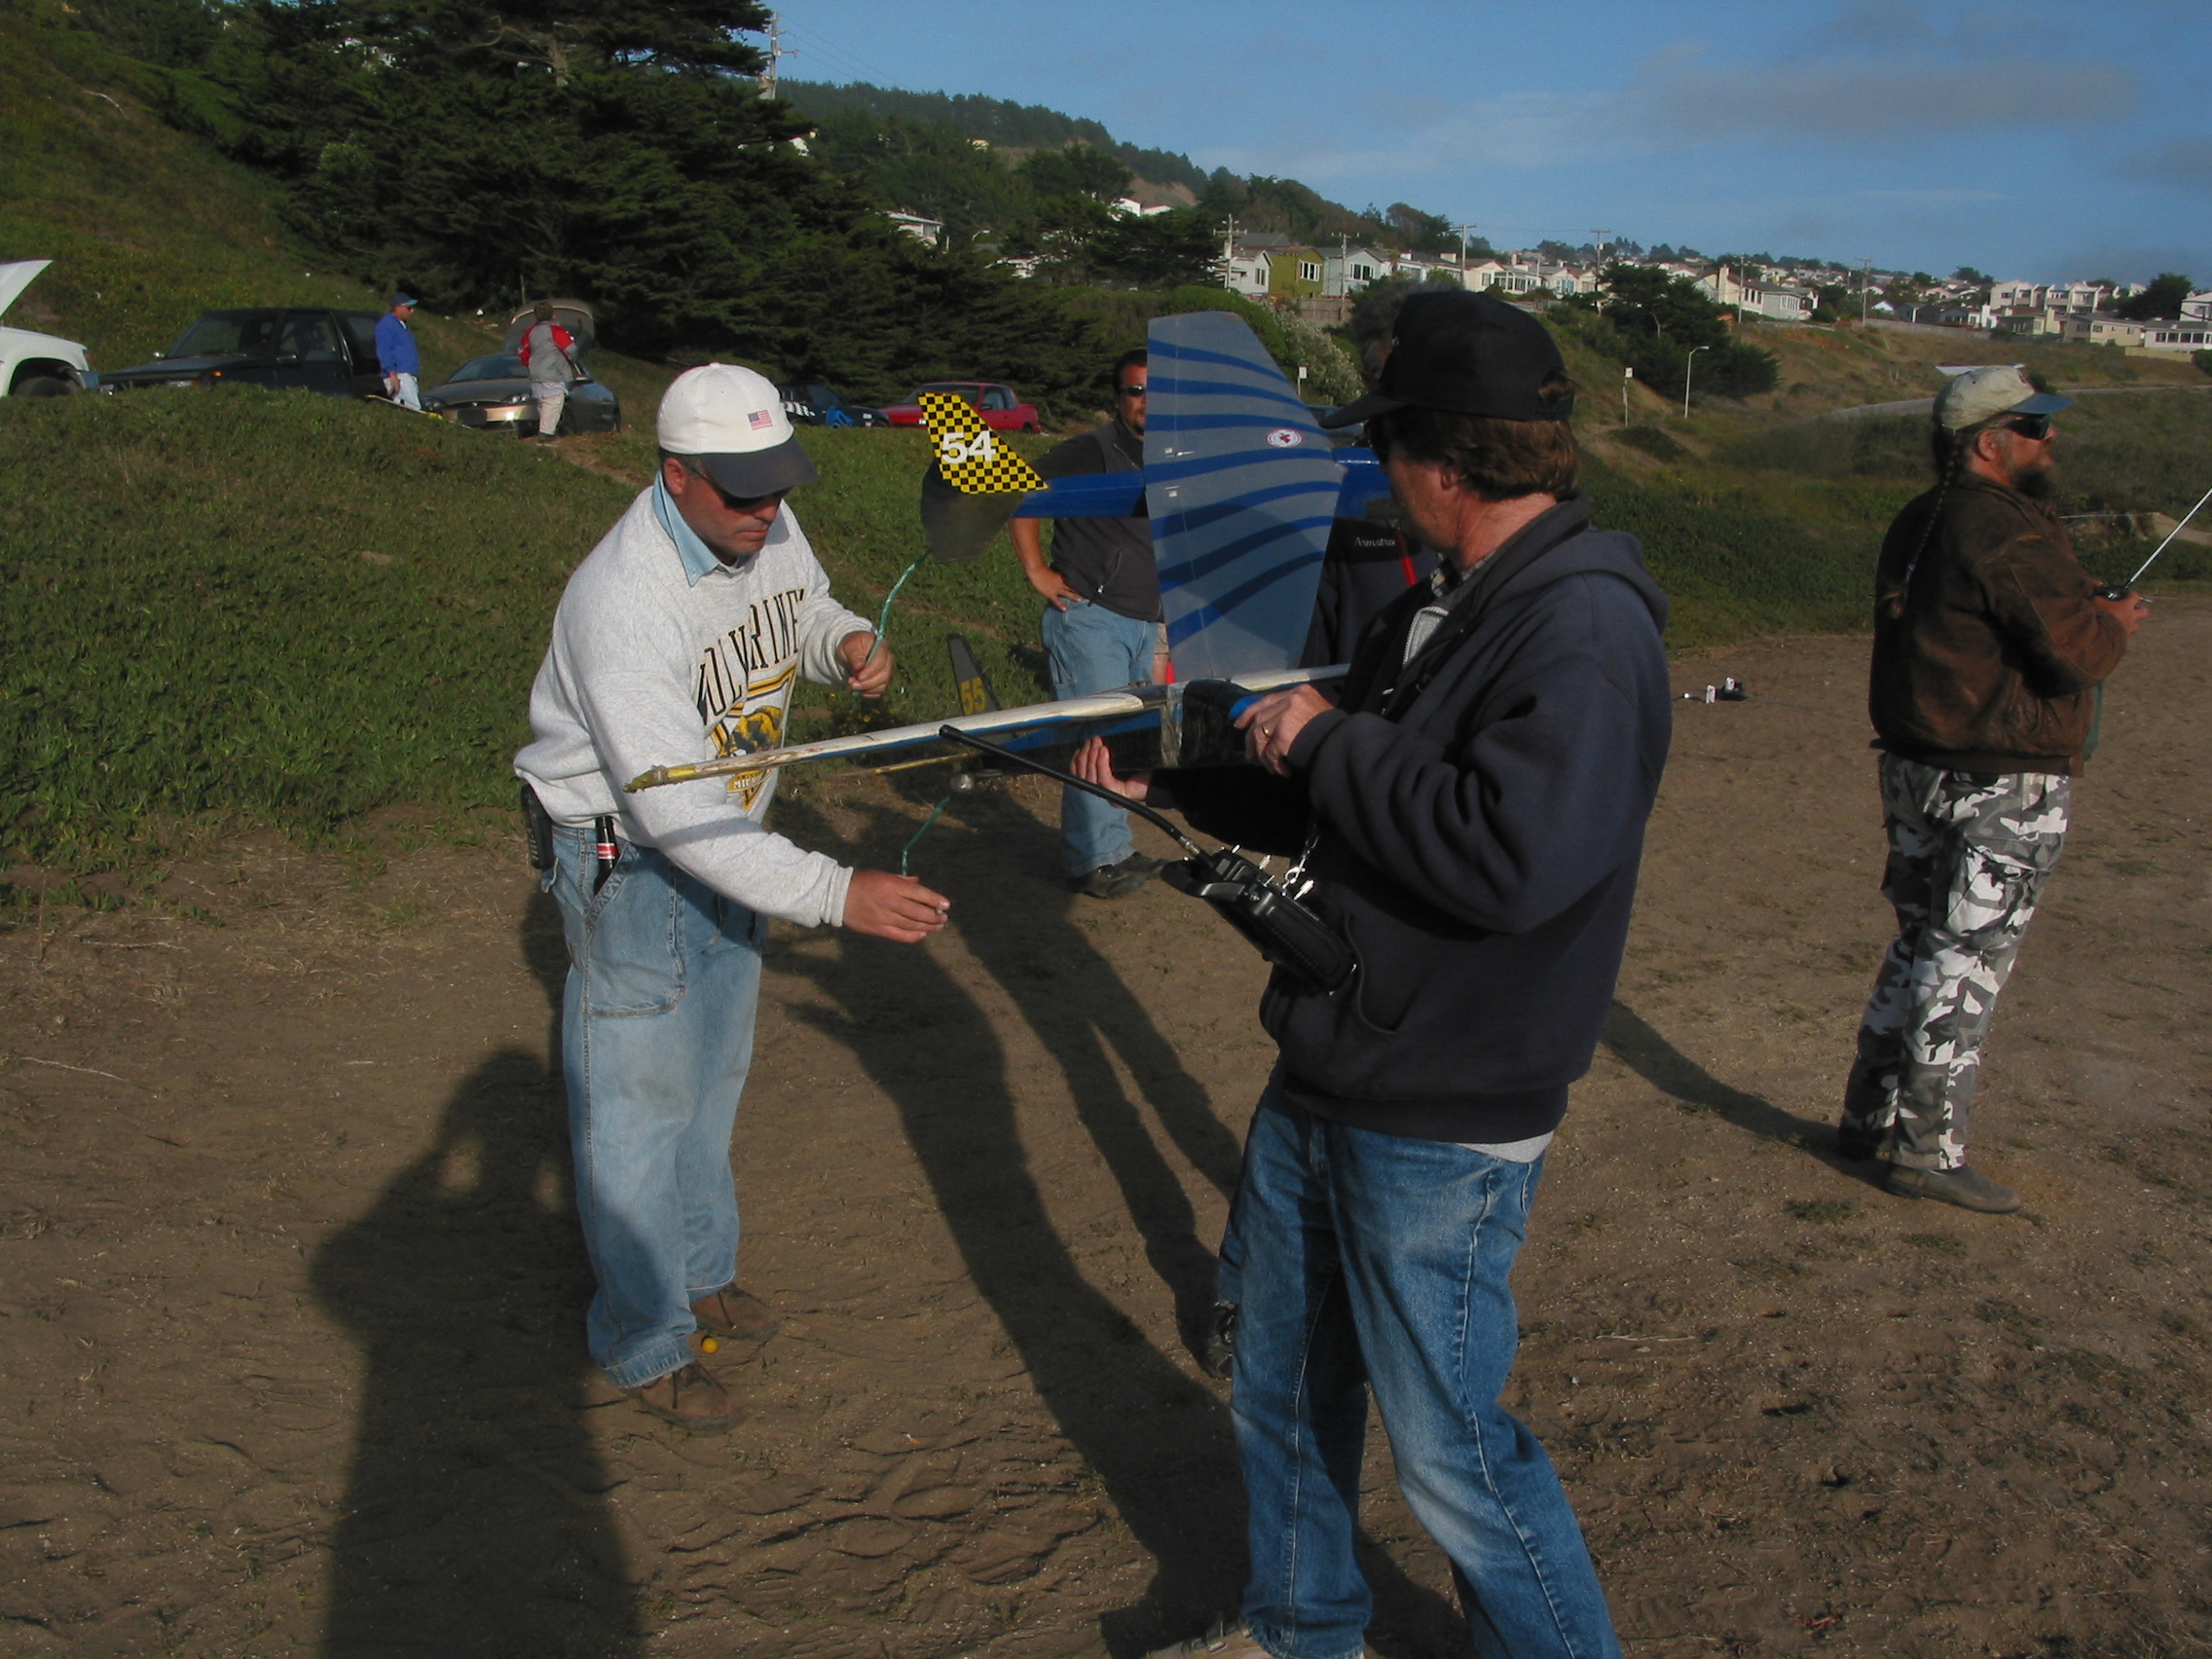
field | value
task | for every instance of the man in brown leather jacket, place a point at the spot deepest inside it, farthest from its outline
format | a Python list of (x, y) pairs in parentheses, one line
[(1990, 642)]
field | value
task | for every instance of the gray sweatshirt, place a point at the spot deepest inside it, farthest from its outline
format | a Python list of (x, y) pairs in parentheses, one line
[(549, 365), (661, 654)]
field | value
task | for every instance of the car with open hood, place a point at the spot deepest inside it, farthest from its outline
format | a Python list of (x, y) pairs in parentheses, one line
[(492, 392), (299, 348), (35, 365)]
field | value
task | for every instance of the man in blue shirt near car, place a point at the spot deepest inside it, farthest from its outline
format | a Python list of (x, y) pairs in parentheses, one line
[(397, 356)]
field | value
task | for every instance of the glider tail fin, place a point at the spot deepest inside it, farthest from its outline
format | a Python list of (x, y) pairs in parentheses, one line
[(974, 481), (975, 694)]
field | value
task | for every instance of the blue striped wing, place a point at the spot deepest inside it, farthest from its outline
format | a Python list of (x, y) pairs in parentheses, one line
[(1241, 486)]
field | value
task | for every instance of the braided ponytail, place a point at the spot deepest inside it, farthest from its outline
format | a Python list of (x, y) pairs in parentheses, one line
[(1951, 449)]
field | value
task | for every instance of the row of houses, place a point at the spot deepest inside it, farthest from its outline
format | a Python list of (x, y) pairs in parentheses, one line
[(1278, 268), (1268, 265), (2077, 312), (1273, 267)]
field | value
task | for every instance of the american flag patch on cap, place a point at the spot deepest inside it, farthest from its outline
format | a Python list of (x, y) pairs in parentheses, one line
[(759, 419)]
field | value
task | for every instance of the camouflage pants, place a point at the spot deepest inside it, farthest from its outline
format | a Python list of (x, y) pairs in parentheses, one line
[(1969, 855)]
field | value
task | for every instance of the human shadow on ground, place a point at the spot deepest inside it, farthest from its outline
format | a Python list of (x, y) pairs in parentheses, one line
[(1159, 1440), (474, 1520), (1086, 1016), (1636, 1044)]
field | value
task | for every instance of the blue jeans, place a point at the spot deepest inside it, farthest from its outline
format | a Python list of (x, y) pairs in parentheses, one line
[(656, 1036), (1378, 1260), (1095, 649)]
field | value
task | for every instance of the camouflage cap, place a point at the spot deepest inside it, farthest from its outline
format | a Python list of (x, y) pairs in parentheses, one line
[(2000, 389)]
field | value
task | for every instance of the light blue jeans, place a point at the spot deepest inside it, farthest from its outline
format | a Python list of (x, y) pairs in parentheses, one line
[(1379, 1261), (656, 1036), (1095, 649)]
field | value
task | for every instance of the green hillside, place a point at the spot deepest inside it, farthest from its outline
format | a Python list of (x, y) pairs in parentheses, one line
[(282, 610)]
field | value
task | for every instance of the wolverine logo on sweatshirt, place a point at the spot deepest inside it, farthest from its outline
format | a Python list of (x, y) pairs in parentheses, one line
[(742, 683)]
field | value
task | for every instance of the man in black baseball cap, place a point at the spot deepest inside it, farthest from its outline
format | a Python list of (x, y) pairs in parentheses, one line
[(1472, 815), (1470, 354)]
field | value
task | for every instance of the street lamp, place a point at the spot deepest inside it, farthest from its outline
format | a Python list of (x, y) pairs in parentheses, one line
[(1689, 363)]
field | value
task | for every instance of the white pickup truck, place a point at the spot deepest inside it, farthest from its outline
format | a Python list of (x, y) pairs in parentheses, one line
[(31, 364)]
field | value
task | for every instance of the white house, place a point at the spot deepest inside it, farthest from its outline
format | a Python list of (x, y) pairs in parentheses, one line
[(1759, 298), (2190, 334), (1245, 272), (1350, 269), (2197, 308), (931, 231), (2102, 328)]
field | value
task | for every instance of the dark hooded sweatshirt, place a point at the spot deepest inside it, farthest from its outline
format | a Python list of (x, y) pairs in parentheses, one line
[(1480, 816)]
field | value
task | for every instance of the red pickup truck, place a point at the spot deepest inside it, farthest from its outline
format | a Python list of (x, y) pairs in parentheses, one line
[(1001, 409)]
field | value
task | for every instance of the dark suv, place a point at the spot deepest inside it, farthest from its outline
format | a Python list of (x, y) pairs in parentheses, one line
[(310, 348)]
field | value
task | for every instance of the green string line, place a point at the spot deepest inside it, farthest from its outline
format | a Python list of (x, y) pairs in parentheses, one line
[(883, 618), (908, 851)]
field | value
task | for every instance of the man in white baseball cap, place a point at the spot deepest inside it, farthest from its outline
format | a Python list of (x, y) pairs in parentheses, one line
[(679, 637), (1991, 644)]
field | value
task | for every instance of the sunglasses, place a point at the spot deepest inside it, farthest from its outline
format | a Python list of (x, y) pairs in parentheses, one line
[(2034, 428), (1130, 390), (740, 503)]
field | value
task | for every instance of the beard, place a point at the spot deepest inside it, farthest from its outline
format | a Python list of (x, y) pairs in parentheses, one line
[(2036, 479)]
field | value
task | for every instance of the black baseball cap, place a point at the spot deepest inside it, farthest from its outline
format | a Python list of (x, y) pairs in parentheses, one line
[(1470, 354)]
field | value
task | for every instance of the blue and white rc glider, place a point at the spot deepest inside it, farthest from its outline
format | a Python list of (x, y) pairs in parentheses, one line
[(1241, 487)]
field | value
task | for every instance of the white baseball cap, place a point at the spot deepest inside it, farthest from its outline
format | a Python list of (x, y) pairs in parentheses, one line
[(730, 420)]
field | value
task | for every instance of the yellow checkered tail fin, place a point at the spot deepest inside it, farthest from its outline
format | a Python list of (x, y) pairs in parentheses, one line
[(974, 460)]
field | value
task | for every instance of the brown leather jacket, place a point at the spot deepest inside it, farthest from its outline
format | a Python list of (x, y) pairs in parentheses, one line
[(1987, 651)]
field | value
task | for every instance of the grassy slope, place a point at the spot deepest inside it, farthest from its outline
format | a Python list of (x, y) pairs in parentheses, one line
[(193, 626), (148, 228), (299, 609)]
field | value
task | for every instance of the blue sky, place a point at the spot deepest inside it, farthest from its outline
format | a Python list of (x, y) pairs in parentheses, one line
[(2031, 138)]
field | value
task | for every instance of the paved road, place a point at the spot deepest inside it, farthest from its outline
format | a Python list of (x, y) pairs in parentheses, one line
[(1924, 405)]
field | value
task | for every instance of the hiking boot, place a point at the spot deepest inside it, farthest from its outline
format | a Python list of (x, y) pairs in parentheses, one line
[(733, 1312), (1217, 1348), (689, 1398), (1964, 1186), (1223, 1641), (1857, 1145), (1119, 880)]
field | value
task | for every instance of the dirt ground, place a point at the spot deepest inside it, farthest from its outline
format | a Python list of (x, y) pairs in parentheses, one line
[(290, 1289)]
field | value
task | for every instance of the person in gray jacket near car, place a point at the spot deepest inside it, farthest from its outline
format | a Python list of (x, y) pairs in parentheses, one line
[(679, 637), (546, 350)]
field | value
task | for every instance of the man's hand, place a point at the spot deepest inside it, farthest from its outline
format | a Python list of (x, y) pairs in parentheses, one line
[(1272, 724), (875, 679), (1058, 594), (1029, 548), (896, 907), (1094, 764), (2133, 611)]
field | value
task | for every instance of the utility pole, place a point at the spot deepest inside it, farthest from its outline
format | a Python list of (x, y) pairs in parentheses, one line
[(1865, 280), (1598, 277), (776, 49), (1229, 251)]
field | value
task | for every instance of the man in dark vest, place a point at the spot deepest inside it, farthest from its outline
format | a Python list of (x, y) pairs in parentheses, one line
[(1101, 625)]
